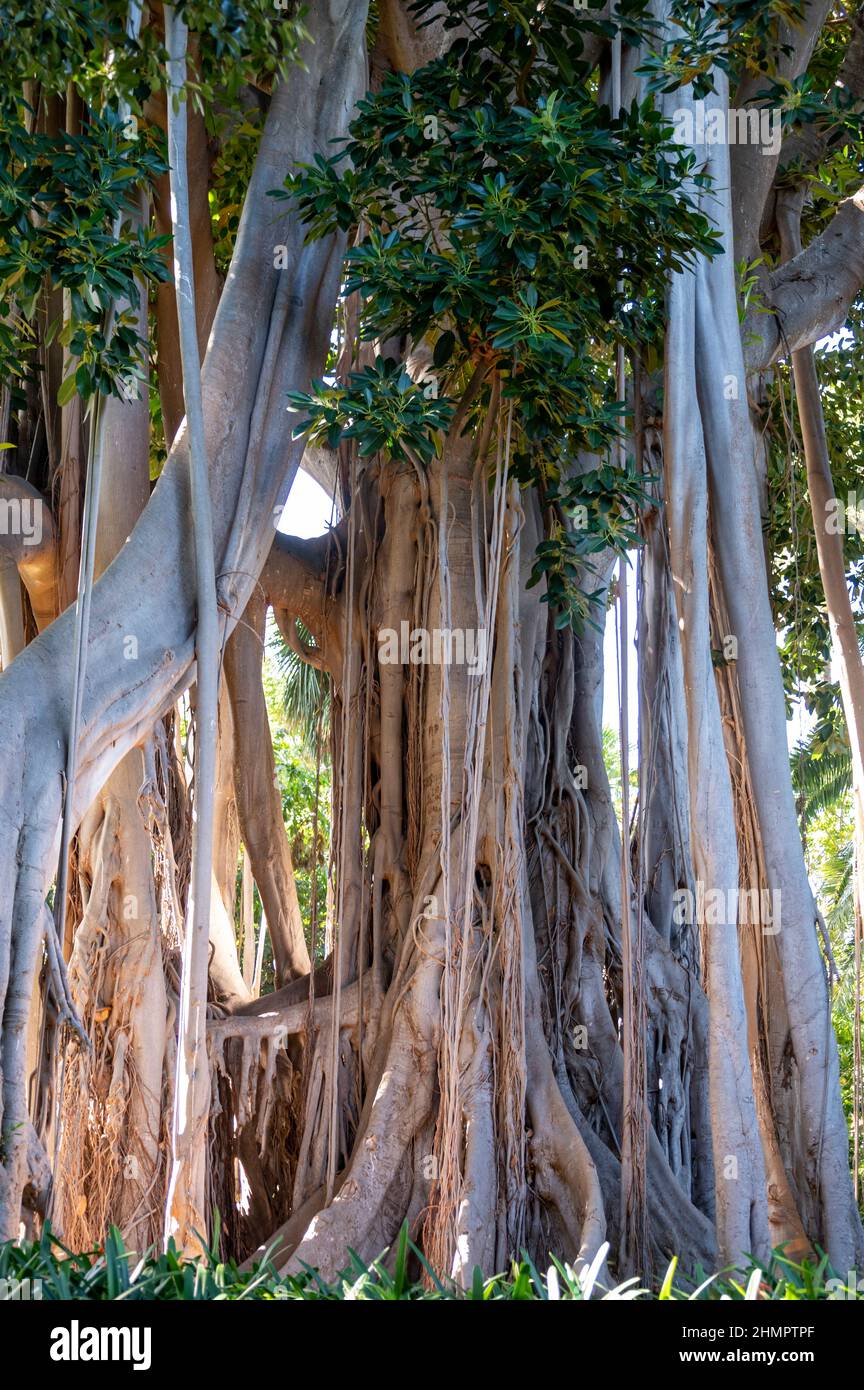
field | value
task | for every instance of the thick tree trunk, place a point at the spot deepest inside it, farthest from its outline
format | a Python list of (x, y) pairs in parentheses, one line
[(738, 1167), (484, 869), (820, 1170)]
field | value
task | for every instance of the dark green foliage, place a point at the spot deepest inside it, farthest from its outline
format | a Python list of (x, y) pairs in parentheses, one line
[(60, 197), (520, 231), (735, 35), (57, 42), (601, 505), (380, 407)]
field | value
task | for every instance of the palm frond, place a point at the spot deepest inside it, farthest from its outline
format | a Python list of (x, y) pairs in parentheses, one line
[(836, 875), (302, 688), (820, 781)]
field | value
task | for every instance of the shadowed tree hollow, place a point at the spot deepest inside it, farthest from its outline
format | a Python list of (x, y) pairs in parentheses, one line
[(533, 292)]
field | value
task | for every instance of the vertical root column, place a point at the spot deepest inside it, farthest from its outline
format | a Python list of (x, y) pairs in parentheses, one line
[(111, 1167)]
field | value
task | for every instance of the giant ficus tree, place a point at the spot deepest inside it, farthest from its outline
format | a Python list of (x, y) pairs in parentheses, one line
[(530, 314)]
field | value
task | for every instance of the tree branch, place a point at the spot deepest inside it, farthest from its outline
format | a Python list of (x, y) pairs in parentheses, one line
[(810, 296), (322, 464), (298, 583)]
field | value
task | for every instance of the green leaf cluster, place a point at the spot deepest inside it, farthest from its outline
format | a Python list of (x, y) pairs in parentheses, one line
[(381, 407), (61, 197), (503, 218)]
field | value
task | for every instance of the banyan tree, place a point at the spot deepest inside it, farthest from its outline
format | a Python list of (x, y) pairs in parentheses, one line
[(533, 290)]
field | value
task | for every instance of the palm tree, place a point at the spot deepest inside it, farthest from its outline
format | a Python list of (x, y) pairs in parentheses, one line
[(305, 690)]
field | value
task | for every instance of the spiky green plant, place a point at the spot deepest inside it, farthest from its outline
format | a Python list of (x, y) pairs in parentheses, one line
[(112, 1273)]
